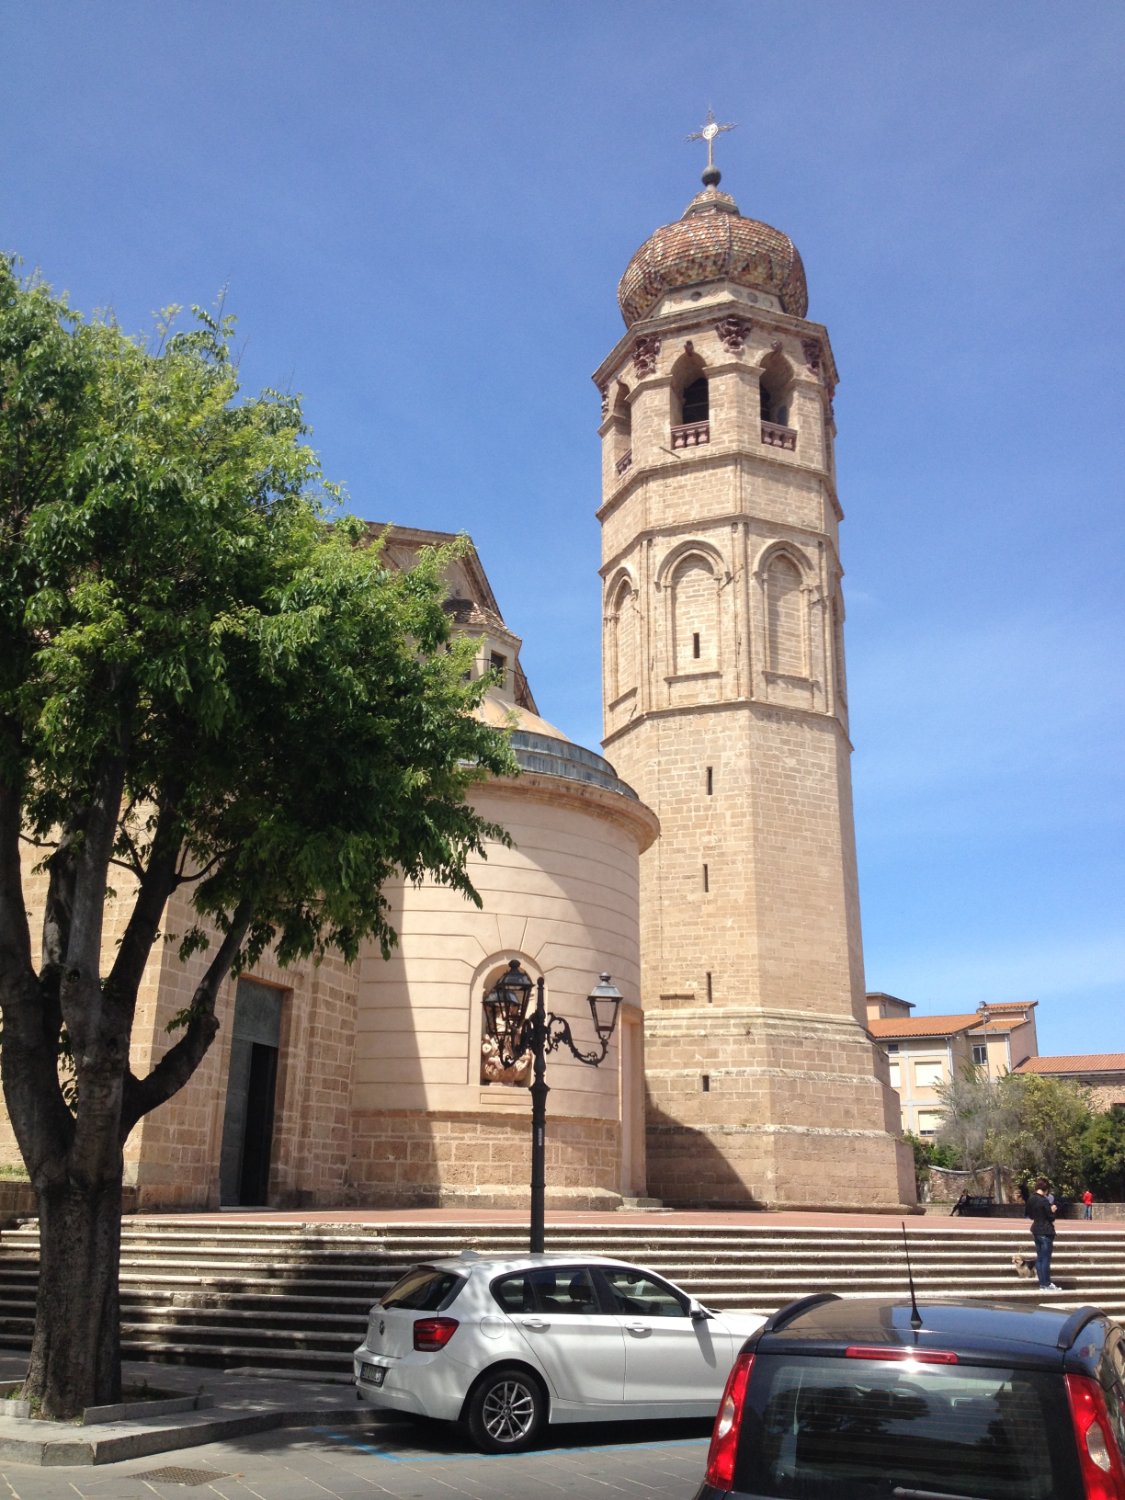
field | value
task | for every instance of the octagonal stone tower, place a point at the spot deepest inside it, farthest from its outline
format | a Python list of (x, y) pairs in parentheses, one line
[(725, 706)]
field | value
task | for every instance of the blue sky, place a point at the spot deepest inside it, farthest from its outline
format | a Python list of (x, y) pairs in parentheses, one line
[(421, 212)]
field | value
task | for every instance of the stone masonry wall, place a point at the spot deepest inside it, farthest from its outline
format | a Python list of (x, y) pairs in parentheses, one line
[(449, 1159)]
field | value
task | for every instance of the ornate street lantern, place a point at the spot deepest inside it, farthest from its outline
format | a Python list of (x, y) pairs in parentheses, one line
[(511, 1037)]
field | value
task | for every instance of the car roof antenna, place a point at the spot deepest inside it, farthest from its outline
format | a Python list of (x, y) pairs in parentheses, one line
[(915, 1315)]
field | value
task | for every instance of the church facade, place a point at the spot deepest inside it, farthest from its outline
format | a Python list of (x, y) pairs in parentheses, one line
[(710, 868)]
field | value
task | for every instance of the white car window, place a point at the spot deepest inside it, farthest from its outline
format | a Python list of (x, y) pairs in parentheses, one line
[(514, 1293), (562, 1289), (642, 1296)]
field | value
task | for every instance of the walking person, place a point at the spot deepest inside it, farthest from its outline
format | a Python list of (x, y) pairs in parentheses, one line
[(1087, 1204), (1041, 1210)]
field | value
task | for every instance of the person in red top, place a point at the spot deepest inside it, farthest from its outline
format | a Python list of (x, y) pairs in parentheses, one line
[(1087, 1204)]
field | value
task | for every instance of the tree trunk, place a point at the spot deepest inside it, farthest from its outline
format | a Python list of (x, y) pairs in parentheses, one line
[(76, 1349)]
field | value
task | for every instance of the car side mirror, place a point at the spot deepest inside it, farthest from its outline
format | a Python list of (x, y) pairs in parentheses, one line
[(697, 1312)]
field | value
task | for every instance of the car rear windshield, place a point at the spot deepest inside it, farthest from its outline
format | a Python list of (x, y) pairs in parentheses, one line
[(820, 1428), (424, 1289)]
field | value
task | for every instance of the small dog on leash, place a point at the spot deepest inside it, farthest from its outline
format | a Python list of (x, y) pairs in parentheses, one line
[(1025, 1266)]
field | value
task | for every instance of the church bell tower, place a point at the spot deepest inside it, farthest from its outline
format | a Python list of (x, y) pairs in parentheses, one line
[(725, 705)]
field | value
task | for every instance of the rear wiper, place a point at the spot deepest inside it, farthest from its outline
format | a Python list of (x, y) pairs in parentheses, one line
[(931, 1494)]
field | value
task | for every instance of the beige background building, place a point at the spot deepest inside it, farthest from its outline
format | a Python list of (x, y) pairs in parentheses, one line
[(925, 1052), (1103, 1073)]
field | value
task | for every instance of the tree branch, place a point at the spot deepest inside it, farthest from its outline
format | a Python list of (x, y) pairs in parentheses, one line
[(180, 1061), (157, 882)]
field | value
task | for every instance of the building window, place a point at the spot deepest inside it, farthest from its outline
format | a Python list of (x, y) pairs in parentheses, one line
[(980, 1056), (929, 1121), (775, 389), (696, 405), (892, 1047), (927, 1075), (895, 1075)]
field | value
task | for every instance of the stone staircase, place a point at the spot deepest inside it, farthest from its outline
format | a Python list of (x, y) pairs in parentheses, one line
[(289, 1296)]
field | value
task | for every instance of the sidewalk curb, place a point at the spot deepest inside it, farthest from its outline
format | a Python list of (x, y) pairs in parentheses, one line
[(113, 1442)]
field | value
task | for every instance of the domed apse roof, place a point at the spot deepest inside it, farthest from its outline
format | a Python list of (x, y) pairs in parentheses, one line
[(713, 242), (539, 746)]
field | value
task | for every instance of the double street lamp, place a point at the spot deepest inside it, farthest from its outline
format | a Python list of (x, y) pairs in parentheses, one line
[(514, 1034)]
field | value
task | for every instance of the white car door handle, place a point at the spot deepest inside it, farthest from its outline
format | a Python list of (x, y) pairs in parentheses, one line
[(638, 1328), (537, 1323)]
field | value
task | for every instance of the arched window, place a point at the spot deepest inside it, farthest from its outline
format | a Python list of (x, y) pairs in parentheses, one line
[(622, 653), (622, 440), (785, 618), (775, 389), (695, 616), (696, 403), (691, 402)]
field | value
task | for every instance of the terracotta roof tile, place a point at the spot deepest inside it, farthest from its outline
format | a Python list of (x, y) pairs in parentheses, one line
[(893, 1026), (1082, 1062)]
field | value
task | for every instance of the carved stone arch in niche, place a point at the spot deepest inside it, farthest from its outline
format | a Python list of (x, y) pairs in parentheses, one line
[(691, 577), (784, 577), (622, 630), (693, 547)]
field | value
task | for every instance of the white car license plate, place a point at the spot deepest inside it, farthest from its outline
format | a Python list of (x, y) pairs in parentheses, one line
[(372, 1374)]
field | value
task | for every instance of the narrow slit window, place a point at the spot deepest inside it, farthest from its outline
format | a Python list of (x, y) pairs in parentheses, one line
[(705, 1082), (695, 645), (706, 878), (710, 780), (710, 995)]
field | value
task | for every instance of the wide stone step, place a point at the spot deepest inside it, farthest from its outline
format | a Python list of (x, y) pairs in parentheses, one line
[(296, 1297)]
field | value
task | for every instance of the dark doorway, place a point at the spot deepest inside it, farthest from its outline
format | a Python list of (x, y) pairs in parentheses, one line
[(244, 1168)]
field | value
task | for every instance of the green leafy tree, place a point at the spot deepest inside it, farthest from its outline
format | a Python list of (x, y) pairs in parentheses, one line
[(203, 684), (1024, 1122), (1102, 1155), (1042, 1126)]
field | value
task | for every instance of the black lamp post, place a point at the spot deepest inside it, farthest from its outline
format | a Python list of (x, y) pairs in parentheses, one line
[(516, 1033)]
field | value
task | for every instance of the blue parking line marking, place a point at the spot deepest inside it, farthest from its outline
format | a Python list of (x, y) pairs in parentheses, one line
[(413, 1456)]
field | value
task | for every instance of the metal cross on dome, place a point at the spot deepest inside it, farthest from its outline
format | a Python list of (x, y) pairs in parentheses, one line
[(708, 134)]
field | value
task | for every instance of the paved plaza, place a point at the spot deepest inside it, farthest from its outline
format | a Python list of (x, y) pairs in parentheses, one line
[(406, 1461)]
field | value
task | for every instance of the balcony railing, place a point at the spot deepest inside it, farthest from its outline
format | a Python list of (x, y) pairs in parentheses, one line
[(774, 436), (624, 462), (691, 435)]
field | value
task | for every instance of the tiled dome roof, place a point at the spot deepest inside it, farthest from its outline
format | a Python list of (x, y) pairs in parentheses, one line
[(713, 242)]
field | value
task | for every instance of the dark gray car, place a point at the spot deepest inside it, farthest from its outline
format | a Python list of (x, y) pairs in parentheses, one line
[(848, 1399)]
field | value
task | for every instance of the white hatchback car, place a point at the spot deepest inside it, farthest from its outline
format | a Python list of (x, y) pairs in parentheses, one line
[(507, 1344)]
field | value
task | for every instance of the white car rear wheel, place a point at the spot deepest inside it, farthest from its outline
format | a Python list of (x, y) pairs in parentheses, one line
[(506, 1411)]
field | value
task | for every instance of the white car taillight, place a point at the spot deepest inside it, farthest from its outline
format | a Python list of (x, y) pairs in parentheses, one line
[(433, 1333)]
